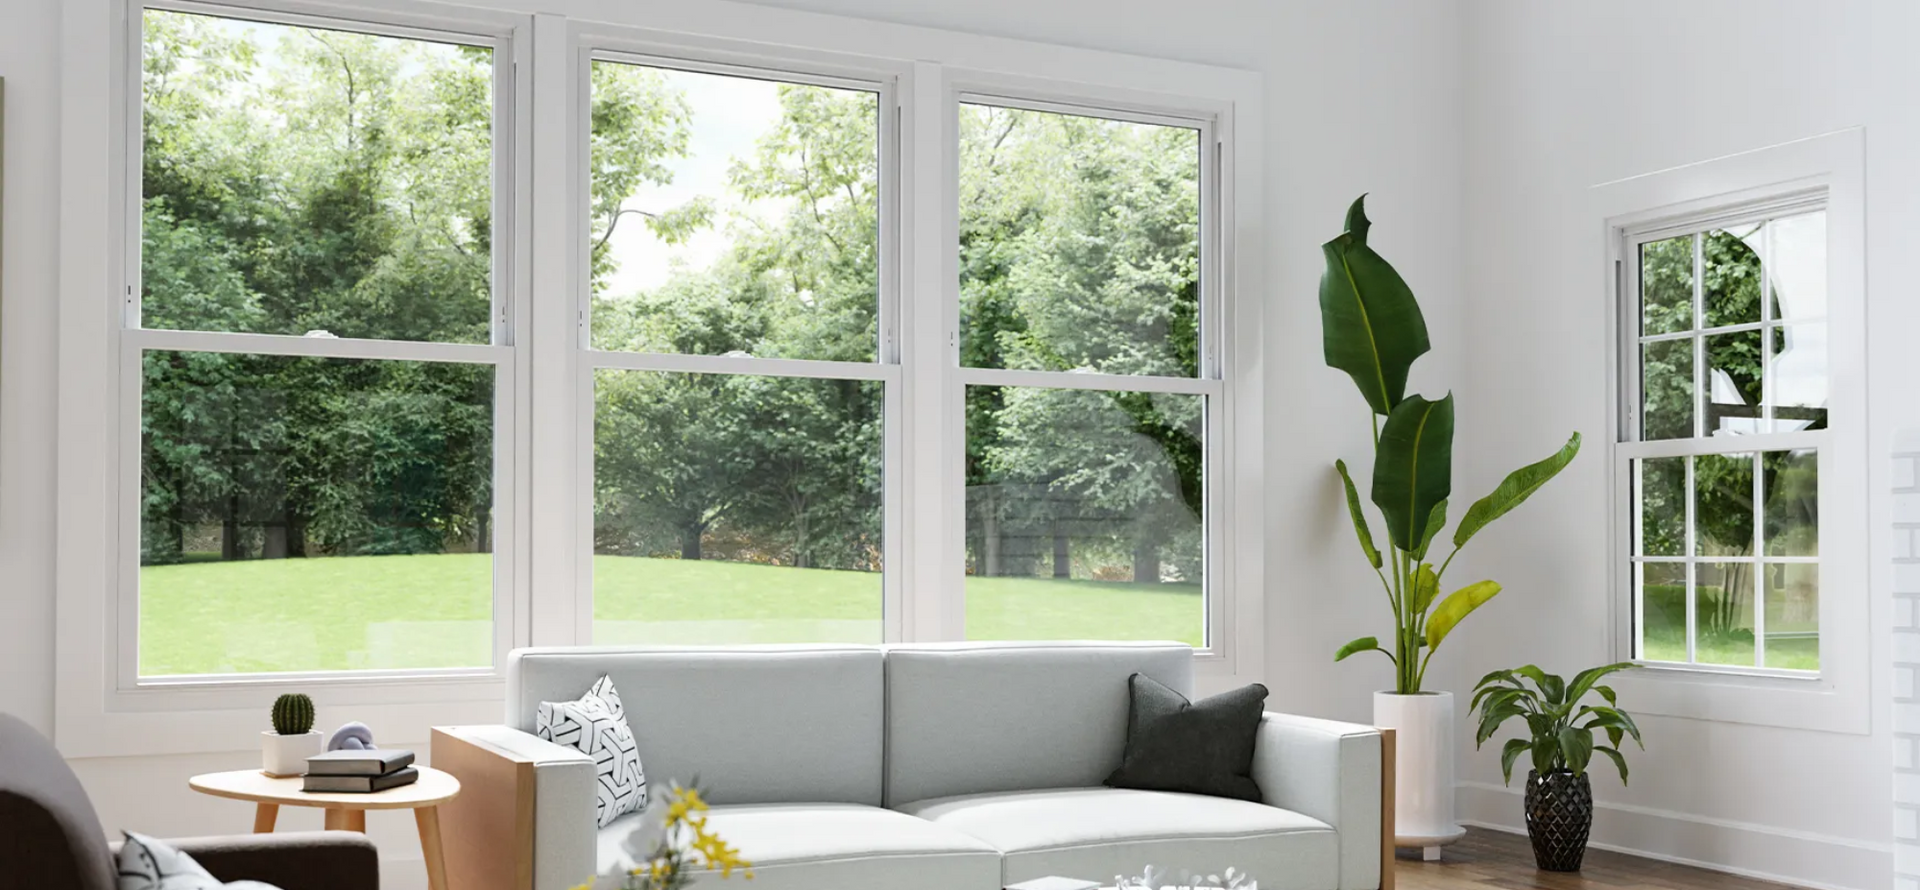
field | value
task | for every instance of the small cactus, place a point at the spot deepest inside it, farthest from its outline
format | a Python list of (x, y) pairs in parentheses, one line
[(293, 714)]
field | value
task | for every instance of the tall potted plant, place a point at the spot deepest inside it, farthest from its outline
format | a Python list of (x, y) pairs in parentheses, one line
[(1372, 329)]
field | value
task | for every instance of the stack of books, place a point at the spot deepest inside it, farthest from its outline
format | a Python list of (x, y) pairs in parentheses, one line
[(360, 772)]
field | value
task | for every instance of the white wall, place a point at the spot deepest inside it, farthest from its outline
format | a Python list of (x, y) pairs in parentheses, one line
[(1361, 96), (27, 280), (1564, 96)]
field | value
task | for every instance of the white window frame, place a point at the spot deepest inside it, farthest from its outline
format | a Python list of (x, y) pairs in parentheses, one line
[(981, 88), (884, 82), (549, 582), (99, 657), (1631, 448), (1825, 171)]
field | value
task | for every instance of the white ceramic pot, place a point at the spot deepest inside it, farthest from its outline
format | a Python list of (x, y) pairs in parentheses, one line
[(286, 755), (1423, 768)]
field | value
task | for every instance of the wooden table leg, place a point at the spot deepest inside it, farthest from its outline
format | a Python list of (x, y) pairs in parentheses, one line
[(264, 815), (357, 821), (428, 819), (336, 819)]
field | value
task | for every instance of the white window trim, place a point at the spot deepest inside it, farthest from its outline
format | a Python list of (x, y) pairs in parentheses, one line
[(548, 601), (1702, 442), (1837, 698)]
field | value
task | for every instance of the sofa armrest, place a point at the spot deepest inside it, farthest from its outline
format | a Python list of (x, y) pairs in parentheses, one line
[(1336, 773), (294, 860), (524, 819)]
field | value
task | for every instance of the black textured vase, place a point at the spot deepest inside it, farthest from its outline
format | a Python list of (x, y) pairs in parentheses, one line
[(1559, 814)]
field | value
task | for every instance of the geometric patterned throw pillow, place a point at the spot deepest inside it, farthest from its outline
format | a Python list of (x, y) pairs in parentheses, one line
[(148, 864), (596, 725)]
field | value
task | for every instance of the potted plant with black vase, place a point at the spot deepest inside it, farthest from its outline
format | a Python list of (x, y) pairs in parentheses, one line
[(1560, 728)]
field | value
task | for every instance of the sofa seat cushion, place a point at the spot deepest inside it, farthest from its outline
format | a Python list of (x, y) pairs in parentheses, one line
[(1097, 834), (803, 846)]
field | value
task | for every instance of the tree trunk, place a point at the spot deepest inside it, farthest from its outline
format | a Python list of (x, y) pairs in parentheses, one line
[(1062, 557), (690, 542), (990, 533), (483, 531), (230, 531), (1146, 560)]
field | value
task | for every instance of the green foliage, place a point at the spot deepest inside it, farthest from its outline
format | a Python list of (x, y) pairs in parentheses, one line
[(293, 714), (1413, 467), (1560, 726), (1373, 330), (299, 180), (1371, 324), (1079, 251)]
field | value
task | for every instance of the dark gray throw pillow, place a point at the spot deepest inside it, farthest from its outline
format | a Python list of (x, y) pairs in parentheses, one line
[(1203, 747)]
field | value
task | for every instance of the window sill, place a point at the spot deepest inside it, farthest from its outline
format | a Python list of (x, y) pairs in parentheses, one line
[(224, 716), (1788, 700)]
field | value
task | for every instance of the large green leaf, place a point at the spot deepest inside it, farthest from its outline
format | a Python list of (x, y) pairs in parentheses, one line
[(1583, 681), (1370, 324), (1363, 644), (1456, 606), (1509, 753), (1426, 586), (1413, 467), (1514, 491), (1435, 523), (1576, 745), (1618, 760), (1359, 518)]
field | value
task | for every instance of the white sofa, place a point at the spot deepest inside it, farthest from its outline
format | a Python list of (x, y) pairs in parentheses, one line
[(938, 767)]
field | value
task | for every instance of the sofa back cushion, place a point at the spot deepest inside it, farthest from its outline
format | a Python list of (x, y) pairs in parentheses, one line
[(755, 724), (973, 718)]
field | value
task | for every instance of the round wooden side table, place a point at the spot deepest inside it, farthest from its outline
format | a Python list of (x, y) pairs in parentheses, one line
[(345, 812)]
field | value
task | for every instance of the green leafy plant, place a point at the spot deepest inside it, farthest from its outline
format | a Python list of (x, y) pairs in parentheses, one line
[(293, 714), (1372, 329), (1559, 727)]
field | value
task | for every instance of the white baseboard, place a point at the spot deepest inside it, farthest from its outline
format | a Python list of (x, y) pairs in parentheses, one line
[(1789, 856)]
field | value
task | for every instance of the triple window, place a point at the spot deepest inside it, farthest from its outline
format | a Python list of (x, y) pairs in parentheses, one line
[(324, 376), (1725, 434)]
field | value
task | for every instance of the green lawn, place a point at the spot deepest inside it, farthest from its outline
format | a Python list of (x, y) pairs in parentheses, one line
[(432, 611), (1785, 653)]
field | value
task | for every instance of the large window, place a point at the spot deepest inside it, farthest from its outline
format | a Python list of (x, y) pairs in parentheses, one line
[(736, 358), (440, 331), (320, 353), (1727, 370), (1088, 382)]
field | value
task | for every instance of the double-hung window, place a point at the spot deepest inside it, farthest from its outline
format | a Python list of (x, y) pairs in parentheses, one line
[(740, 358), (1091, 389), (316, 351), (441, 331), (1725, 435)]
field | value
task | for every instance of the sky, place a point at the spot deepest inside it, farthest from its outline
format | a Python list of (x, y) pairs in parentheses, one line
[(729, 114)]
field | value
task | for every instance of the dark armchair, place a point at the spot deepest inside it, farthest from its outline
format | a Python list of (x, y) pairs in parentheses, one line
[(50, 838)]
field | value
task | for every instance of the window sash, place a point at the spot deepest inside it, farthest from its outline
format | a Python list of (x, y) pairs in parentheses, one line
[(1631, 448), (132, 341)]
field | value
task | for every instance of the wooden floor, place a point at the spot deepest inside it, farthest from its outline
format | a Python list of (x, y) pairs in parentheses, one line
[(1494, 859)]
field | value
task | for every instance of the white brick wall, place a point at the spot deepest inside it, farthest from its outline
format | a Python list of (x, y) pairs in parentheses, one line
[(1906, 668)]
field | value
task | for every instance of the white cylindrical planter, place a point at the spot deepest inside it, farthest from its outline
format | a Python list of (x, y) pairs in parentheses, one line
[(286, 755), (1423, 768)]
